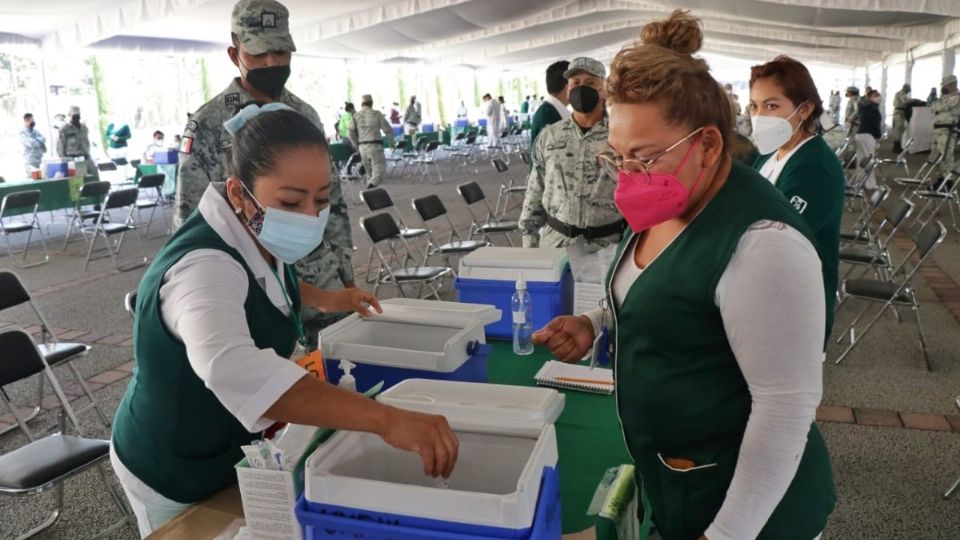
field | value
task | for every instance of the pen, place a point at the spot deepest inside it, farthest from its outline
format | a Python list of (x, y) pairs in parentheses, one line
[(584, 381)]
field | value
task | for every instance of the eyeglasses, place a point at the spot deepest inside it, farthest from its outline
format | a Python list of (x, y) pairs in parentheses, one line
[(613, 164)]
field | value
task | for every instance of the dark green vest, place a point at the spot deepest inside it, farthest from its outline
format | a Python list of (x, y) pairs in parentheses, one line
[(680, 392), (170, 430)]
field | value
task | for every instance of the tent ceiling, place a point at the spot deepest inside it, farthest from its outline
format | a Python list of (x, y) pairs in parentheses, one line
[(494, 33)]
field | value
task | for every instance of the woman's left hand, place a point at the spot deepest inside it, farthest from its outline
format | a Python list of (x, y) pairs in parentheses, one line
[(354, 299)]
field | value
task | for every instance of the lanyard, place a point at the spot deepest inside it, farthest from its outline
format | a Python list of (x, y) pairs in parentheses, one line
[(294, 314)]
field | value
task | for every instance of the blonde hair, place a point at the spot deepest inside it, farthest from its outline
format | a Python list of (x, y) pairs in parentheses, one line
[(660, 68)]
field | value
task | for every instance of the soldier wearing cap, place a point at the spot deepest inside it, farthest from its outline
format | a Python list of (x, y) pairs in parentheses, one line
[(946, 116), (261, 51), (74, 139), (365, 134), (853, 106), (569, 197)]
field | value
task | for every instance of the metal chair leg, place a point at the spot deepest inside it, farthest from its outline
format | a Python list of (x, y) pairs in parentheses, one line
[(50, 520), (952, 489), (923, 339)]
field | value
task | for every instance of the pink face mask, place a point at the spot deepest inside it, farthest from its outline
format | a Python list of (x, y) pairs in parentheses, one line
[(645, 203)]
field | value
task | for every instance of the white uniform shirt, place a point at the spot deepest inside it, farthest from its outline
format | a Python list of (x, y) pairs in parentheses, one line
[(201, 303), (773, 167)]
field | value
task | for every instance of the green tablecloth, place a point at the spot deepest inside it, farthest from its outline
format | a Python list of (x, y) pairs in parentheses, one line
[(55, 194), (588, 434)]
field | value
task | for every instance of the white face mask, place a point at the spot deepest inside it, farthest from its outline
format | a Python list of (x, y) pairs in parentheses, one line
[(772, 132)]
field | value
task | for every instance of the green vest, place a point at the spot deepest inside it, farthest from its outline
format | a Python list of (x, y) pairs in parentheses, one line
[(680, 392), (170, 429), (813, 182)]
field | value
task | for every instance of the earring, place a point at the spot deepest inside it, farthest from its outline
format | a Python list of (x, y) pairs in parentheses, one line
[(237, 211)]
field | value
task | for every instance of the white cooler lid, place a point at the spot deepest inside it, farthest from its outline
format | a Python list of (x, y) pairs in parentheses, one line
[(478, 407), (412, 334), (506, 263)]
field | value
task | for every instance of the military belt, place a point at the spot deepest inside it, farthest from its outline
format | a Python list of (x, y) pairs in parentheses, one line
[(372, 142), (944, 126), (588, 233)]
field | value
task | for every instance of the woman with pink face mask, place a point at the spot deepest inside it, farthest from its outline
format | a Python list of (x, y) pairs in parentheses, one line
[(715, 308)]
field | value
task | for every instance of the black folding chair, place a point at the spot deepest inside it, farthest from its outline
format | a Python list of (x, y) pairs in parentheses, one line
[(893, 293), (124, 199), (25, 204), (493, 223), (46, 463), (397, 268), (55, 352), (378, 199), (152, 186), (508, 188), (91, 191), (430, 208)]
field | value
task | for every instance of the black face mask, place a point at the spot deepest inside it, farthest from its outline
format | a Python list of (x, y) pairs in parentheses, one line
[(584, 99), (75, 120), (269, 80), (32, 125)]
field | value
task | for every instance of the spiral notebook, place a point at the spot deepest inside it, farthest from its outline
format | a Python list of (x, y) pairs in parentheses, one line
[(575, 377)]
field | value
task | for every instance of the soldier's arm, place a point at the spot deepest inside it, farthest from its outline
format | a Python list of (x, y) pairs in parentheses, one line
[(354, 133), (61, 144), (533, 216), (198, 167), (387, 129), (338, 234)]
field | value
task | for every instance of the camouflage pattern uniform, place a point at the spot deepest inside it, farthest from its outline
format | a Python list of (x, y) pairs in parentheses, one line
[(851, 114), (946, 115), (567, 184), (73, 141), (262, 26), (34, 145), (900, 100), (365, 129)]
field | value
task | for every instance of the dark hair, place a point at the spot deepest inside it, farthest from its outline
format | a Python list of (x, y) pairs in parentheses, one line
[(872, 93), (555, 79), (260, 143), (350, 107), (500, 99), (485, 96), (794, 79), (157, 132), (28, 116)]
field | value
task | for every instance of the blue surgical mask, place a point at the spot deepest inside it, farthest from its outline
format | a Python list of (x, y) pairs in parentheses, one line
[(288, 236)]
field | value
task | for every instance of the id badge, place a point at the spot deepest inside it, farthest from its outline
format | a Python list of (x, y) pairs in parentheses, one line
[(601, 348)]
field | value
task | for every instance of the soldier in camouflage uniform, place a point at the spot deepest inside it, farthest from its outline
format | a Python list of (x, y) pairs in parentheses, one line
[(33, 142), (946, 115), (260, 32), (74, 139), (568, 195), (850, 115), (365, 129)]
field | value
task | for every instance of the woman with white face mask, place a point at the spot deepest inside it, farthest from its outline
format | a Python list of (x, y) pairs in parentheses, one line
[(784, 105), (218, 318)]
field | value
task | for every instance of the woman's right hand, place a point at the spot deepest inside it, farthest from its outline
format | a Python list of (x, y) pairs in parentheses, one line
[(568, 337), (426, 434)]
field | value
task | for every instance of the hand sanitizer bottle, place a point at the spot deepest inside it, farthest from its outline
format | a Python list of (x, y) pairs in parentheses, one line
[(522, 307), (347, 381)]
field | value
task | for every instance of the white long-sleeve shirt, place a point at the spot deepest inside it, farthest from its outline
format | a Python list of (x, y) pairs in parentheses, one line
[(771, 301), (202, 304)]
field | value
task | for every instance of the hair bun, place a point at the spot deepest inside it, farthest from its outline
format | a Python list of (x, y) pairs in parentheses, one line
[(680, 32)]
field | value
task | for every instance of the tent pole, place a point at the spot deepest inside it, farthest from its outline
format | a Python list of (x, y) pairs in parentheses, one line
[(51, 142), (949, 60), (883, 91)]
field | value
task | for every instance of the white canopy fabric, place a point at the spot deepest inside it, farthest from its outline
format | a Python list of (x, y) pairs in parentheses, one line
[(499, 33)]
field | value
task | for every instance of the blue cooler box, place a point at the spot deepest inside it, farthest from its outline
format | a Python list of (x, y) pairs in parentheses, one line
[(55, 169), (420, 339), (166, 156), (505, 484), (489, 275)]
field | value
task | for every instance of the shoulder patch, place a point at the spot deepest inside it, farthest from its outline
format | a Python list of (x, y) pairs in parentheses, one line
[(186, 144), (231, 100), (190, 128)]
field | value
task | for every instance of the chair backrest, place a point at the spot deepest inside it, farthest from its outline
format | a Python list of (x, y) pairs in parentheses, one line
[(19, 357), (431, 146), (878, 196), (2, 180), (500, 166), (380, 227), (94, 189), (376, 199), (107, 166), (422, 143), (471, 192), (130, 302), (21, 199), (152, 181), (472, 139), (460, 136), (134, 162), (898, 212), (119, 160), (429, 207), (930, 237), (12, 291), (121, 198), (525, 156)]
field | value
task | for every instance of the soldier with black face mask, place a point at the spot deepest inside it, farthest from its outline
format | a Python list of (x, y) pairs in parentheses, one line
[(569, 196), (262, 50)]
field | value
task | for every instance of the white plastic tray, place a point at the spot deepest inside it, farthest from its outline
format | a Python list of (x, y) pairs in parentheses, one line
[(482, 408), (506, 264), (431, 336)]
